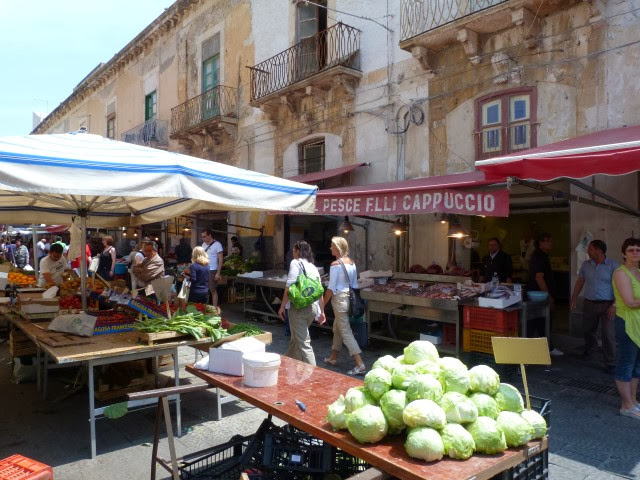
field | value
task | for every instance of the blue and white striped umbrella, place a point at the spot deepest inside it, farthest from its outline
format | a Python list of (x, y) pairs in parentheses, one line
[(49, 178)]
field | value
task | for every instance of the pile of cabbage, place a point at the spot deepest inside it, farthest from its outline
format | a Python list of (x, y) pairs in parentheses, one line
[(444, 408)]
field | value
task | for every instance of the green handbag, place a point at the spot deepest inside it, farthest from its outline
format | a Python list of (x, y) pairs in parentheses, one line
[(305, 291)]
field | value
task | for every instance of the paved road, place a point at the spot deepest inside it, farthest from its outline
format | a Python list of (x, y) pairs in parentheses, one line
[(588, 439)]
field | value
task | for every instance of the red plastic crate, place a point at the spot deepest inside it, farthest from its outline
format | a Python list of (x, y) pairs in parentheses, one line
[(490, 319), (17, 467), (449, 334)]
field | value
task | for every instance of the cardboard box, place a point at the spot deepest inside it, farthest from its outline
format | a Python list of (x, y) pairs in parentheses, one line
[(228, 357), (32, 302), (499, 302)]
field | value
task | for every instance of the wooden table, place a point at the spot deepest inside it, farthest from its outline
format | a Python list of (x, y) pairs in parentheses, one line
[(317, 387), (103, 350)]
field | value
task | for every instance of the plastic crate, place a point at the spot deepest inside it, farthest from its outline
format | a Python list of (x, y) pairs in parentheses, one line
[(223, 462), (287, 449), (449, 334), (480, 340), (17, 467), (490, 319), (346, 465)]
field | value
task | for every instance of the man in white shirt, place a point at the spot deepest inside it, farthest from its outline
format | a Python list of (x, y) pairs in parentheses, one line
[(214, 251), (41, 249), (52, 267)]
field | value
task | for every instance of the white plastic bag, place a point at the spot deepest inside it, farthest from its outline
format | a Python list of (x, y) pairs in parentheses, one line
[(76, 323)]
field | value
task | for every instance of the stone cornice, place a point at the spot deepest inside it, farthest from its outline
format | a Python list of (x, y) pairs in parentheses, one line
[(141, 44)]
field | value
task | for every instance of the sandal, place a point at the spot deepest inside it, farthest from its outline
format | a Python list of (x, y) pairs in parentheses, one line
[(632, 413), (360, 369), (330, 361)]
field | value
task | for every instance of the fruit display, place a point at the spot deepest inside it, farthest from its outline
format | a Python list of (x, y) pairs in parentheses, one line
[(445, 408), (70, 302), (21, 279), (69, 287)]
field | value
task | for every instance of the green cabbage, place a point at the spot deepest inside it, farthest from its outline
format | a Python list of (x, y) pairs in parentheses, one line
[(487, 405), (517, 431), (458, 408), (429, 368), (377, 382), (336, 415), (392, 404), (509, 398), (420, 350), (484, 379), (487, 435), (387, 362), (458, 443), (400, 360), (356, 398), (402, 376), (367, 424), (424, 443), (424, 386), (424, 413), (536, 421), (454, 375)]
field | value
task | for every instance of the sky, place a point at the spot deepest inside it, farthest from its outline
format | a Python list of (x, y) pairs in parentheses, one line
[(48, 46)]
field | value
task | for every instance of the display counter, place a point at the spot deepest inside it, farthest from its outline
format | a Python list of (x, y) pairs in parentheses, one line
[(422, 297), (272, 280)]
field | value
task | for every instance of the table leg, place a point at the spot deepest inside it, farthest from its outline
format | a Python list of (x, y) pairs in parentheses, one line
[(92, 412), (176, 375), (547, 324), (45, 374), (169, 427), (38, 383)]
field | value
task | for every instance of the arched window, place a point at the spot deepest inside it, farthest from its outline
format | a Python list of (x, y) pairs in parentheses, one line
[(311, 156)]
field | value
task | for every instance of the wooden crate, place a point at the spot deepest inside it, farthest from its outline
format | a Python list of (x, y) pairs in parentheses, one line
[(110, 382), (19, 344)]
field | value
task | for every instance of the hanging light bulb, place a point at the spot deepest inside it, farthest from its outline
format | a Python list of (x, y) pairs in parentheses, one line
[(443, 218), (398, 228), (456, 230), (346, 227)]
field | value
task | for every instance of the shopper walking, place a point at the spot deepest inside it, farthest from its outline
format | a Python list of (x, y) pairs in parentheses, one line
[(198, 273), (626, 288), (598, 310), (107, 263), (300, 319), (21, 254), (342, 274)]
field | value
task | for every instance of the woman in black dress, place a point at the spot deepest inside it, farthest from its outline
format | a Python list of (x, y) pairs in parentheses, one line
[(107, 258)]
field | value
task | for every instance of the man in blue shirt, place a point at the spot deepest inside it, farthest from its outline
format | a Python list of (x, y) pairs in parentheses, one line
[(595, 275)]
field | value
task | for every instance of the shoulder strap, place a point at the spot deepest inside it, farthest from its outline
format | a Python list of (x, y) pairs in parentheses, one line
[(345, 272), (302, 267)]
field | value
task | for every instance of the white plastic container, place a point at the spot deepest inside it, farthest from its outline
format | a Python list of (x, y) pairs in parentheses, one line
[(261, 369)]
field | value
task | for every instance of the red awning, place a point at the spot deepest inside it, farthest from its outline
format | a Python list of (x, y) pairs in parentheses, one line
[(317, 176), (609, 152), (57, 228), (441, 194)]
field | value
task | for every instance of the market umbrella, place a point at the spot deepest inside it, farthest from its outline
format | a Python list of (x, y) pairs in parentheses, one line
[(52, 178)]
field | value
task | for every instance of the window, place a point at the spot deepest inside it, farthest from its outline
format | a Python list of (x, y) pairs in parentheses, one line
[(111, 126), (311, 19), (505, 122), (150, 105), (311, 157), (210, 77)]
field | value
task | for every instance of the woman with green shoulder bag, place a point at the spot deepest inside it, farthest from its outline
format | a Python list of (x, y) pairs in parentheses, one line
[(302, 317)]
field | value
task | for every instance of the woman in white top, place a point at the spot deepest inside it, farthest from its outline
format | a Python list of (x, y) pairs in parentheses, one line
[(300, 319), (338, 293)]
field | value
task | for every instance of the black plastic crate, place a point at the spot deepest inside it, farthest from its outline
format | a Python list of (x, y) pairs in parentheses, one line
[(536, 467), (346, 465), (222, 462), (289, 449)]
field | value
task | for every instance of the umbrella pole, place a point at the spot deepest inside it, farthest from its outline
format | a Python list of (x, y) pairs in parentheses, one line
[(83, 260), (34, 249)]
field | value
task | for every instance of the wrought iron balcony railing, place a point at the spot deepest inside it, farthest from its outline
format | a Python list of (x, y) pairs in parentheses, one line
[(219, 101), (336, 46), (420, 16), (151, 133)]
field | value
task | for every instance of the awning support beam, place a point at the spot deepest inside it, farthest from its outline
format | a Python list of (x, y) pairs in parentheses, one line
[(607, 197)]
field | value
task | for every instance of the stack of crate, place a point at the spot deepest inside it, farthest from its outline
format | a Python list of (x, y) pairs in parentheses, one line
[(480, 324)]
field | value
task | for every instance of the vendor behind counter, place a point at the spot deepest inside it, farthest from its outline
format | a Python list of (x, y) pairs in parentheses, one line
[(52, 267)]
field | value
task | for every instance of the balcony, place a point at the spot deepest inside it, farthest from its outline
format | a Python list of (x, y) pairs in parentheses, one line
[(431, 25), (152, 133), (210, 114), (317, 61)]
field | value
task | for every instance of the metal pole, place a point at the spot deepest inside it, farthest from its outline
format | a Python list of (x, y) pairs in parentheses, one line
[(83, 255), (35, 251)]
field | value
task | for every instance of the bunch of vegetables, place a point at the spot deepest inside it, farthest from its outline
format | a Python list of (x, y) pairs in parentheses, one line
[(248, 329), (445, 408), (70, 302), (196, 324)]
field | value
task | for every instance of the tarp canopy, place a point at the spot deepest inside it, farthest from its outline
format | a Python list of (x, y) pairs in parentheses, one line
[(50, 178), (325, 174), (459, 193), (609, 152)]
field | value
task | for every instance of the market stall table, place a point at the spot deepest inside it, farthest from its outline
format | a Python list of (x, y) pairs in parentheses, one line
[(103, 350), (317, 387), (273, 280)]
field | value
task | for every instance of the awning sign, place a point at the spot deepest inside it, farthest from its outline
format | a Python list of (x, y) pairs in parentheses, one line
[(494, 204)]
